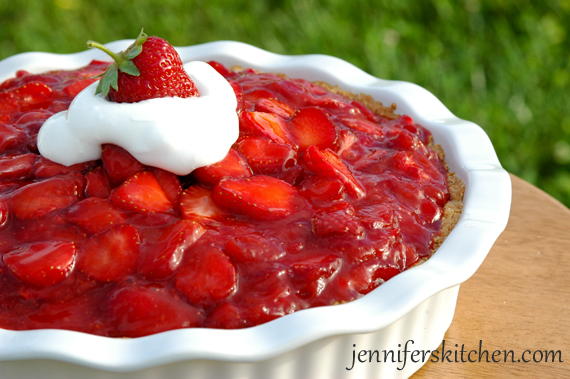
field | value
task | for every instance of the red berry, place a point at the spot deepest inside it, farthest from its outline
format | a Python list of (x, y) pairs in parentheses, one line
[(41, 263), (12, 138), (208, 277), (95, 214), (119, 163), (233, 165), (338, 220), (327, 164), (272, 105), (170, 184), (40, 198), (265, 156), (312, 272), (44, 168), (266, 124), (312, 126), (222, 70), (16, 165), (253, 248), (141, 193), (97, 183), (149, 68), (138, 311), (163, 250), (110, 255), (259, 197), (29, 96), (196, 203), (321, 189)]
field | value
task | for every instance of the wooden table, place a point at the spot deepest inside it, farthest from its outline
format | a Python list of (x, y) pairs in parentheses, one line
[(518, 300)]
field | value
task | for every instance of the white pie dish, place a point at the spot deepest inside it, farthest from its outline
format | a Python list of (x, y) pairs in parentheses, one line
[(416, 305)]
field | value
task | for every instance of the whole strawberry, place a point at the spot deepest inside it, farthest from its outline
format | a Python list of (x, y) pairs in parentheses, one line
[(149, 68)]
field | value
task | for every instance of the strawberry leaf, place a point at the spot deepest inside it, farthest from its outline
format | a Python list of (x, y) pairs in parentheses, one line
[(123, 63), (128, 67), (108, 80)]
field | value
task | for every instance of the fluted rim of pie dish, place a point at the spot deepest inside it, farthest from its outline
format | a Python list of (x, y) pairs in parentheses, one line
[(469, 153)]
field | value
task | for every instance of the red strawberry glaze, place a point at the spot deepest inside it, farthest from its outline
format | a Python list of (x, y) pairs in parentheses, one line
[(318, 202)]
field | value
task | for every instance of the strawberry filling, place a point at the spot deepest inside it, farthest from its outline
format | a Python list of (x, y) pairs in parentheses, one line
[(318, 202)]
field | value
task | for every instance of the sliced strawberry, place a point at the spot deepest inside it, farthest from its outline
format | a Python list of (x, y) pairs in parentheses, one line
[(312, 126), (233, 165), (403, 162), (10, 185), (196, 203), (163, 250), (32, 121), (50, 227), (137, 311), (337, 220), (149, 219), (222, 70), (346, 142), (44, 168), (293, 92), (95, 214), (41, 263), (97, 183), (295, 236), (267, 292), (29, 96), (40, 198), (365, 112), (368, 275), (316, 188), (267, 124), (312, 271), (8, 103), (253, 248), (377, 216), (265, 156), (239, 94), (16, 165), (110, 255), (227, 316), (251, 97), (119, 163), (77, 86), (12, 138), (170, 183), (314, 89), (327, 164), (259, 197), (141, 193), (272, 105), (362, 125), (208, 277), (36, 95)]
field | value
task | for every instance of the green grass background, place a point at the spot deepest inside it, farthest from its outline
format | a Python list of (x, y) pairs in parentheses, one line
[(503, 64)]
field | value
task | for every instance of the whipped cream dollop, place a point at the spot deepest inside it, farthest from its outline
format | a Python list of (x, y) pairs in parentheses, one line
[(175, 134)]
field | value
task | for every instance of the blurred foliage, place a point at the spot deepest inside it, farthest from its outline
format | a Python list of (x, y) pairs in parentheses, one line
[(503, 64)]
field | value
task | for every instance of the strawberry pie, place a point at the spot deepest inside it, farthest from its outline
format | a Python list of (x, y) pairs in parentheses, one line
[(319, 198)]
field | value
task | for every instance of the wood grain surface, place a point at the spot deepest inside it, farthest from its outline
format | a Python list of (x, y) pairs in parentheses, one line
[(519, 299)]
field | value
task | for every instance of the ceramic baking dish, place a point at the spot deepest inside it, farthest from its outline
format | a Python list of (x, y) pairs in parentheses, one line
[(415, 307)]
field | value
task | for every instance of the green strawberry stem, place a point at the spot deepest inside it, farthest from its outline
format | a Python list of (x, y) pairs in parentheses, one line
[(99, 46), (123, 63)]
